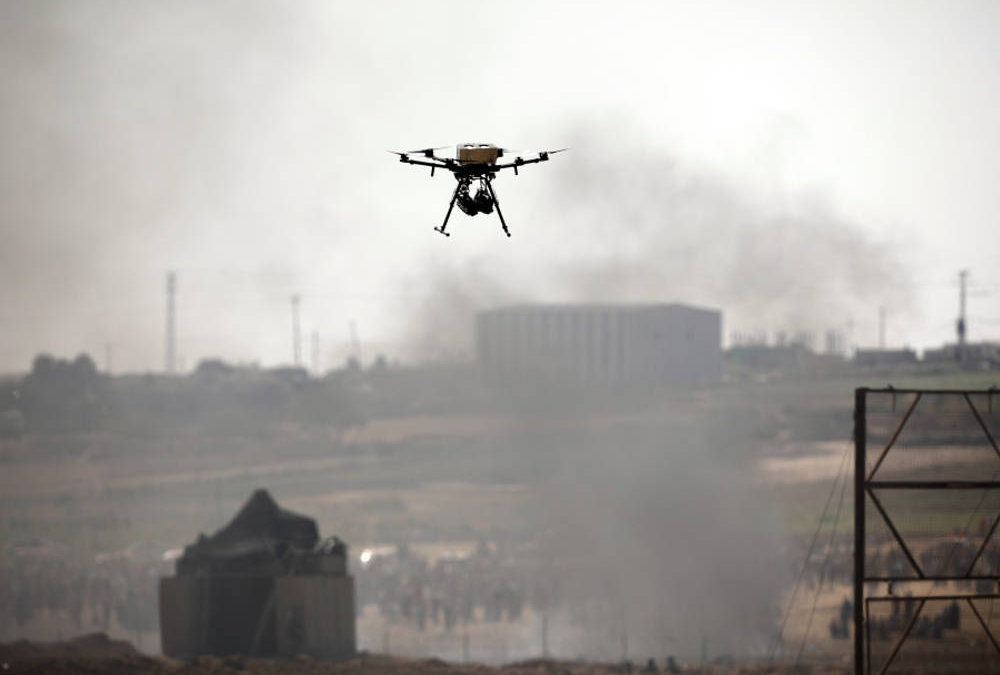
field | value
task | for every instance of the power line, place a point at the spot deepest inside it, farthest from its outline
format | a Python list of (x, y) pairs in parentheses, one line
[(809, 551), (822, 576)]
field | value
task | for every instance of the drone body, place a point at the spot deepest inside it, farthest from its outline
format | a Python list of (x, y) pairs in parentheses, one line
[(473, 162)]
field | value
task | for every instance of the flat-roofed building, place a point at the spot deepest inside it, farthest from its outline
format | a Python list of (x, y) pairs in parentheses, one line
[(606, 344)]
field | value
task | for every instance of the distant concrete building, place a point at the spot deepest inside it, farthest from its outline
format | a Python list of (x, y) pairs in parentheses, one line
[(600, 344), (983, 354)]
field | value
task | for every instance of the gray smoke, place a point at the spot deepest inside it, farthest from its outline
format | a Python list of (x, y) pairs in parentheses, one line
[(139, 138), (441, 318), (669, 232), (659, 537), (656, 529), (637, 225)]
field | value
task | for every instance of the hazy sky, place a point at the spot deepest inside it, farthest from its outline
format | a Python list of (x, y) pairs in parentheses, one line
[(796, 165)]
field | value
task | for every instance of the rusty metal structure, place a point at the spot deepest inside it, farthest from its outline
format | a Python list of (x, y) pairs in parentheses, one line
[(264, 585), (926, 515)]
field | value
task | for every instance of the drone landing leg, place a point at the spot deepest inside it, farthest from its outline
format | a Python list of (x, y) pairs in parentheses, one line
[(503, 223), (454, 196)]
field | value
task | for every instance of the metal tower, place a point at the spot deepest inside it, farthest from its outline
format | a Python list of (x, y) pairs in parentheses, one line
[(960, 325), (170, 364), (296, 334)]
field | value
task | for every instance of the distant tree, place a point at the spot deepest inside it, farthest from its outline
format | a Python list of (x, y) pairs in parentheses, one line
[(43, 365), (83, 369), (213, 368), (60, 395)]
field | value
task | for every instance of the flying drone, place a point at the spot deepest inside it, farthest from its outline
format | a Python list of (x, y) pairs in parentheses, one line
[(473, 162)]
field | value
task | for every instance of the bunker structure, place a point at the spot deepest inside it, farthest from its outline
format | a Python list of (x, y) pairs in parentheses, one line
[(594, 344), (264, 585)]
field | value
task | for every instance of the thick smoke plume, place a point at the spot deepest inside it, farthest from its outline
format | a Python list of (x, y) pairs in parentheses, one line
[(635, 225), (654, 527), (658, 539), (140, 138), (668, 232)]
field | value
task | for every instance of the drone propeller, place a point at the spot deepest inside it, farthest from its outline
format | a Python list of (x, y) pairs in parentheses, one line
[(522, 154), (427, 152), (522, 151), (515, 152), (544, 154)]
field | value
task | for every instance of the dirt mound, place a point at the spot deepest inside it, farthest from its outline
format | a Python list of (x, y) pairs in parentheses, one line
[(94, 653), (92, 646)]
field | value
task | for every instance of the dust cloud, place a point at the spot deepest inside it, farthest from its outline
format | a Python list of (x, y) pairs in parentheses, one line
[(658, 541), (652, 527), (624, 223), (672, 232), (141, 138)]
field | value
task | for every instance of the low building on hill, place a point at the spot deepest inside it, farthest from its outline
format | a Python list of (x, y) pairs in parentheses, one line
[(981, 354), (884, 357)]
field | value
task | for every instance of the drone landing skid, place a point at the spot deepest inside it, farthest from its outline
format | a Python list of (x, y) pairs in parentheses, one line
[(464, 183), (451, 205), (496, 203)]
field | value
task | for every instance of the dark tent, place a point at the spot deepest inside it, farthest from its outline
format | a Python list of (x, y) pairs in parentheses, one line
[(261, 585), (260, 537)]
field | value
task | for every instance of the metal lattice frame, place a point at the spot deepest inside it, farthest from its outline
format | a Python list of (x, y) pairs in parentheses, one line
[(865, 484)]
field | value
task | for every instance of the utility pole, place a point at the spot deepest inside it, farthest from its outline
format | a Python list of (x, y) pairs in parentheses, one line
[(296, 337), (355, 343), (315, 352), (171, 356), (960, 324)]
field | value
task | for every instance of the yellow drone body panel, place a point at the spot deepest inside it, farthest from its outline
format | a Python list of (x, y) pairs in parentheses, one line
[(478, 153)]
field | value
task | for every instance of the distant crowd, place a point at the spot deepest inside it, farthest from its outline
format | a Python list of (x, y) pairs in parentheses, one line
[(119, 589), (951, 555), (482, 587)]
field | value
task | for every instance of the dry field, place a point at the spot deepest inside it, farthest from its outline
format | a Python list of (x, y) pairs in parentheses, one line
[(440, 481), (97, 654)]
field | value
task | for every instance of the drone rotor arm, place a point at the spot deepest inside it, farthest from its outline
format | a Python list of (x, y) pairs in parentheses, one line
[(435, 162), (426, 152), (520, 161)]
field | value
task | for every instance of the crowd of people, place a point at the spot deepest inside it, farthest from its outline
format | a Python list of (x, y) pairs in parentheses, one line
[(949, 556), (927, 625), (482, 586), (92, 594)]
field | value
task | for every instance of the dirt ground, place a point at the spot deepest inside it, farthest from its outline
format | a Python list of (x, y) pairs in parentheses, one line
[(96, 653)]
